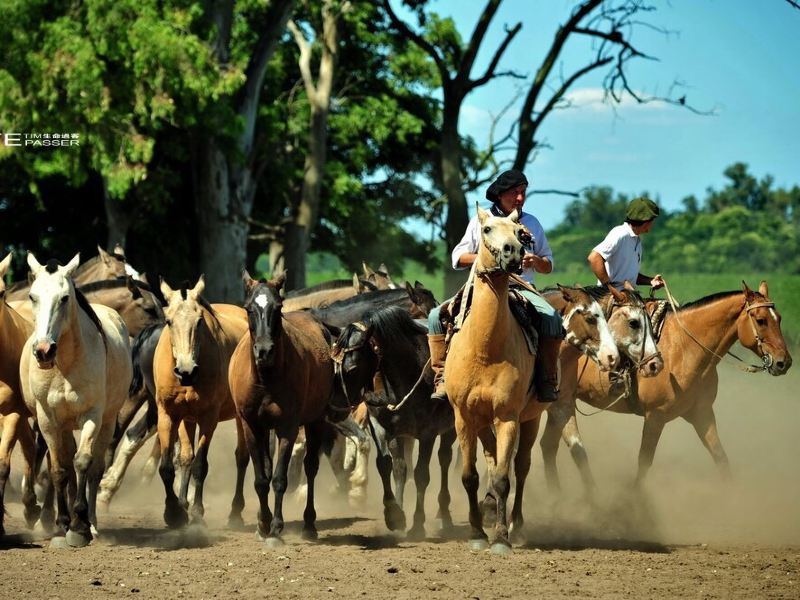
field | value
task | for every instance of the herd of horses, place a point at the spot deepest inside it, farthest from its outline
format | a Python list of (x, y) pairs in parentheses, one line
[(88, 347)]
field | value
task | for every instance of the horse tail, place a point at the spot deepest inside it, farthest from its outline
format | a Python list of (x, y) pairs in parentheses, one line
[(137, 381)]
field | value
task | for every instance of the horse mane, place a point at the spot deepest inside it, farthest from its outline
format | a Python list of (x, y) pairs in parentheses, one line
[(90, 263), (705, 300), (335, 284), (393, 322), (202, 302), (87, 308), (367, 297), (112, 284), (145, 334)]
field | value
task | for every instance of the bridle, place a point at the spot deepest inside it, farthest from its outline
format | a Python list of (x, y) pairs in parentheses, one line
[(643, 359), (339, 353)]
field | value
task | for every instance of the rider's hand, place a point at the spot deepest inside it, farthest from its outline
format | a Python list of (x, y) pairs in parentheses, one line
[(657, 282), (529, 261)]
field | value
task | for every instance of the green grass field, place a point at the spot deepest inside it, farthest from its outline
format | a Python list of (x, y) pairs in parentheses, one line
[(783, 289)]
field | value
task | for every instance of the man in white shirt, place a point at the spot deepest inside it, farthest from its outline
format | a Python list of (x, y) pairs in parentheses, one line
[(507, 194), (619, 256)]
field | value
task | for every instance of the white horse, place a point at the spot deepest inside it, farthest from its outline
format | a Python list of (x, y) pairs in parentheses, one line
[(75, 370)]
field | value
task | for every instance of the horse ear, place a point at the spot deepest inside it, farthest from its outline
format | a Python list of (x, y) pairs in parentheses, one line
[(763, 289), (356, 283), (4, 264), (134, 289), (564, 292), (143, 278), (118, 249), (278, 280), (198, 287), (418, 285), (482, 214), (72, 265), (628, 286), (166, 291), (382, 268), (367, 270), (104, 256), (412, 292), (514, 216), (748, 293), (33, 264)]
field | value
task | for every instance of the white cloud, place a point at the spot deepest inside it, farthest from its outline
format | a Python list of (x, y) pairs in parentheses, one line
[(596, 99)]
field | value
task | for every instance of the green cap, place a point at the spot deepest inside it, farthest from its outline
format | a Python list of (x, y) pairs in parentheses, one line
[(642, 209)]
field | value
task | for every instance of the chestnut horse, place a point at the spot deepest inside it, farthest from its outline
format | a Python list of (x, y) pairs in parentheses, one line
[(75, 370), (190, 372), (693, 342), (281, 377), (14, 331)]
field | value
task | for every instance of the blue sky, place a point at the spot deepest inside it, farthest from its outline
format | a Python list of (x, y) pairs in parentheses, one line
[(738, 57)]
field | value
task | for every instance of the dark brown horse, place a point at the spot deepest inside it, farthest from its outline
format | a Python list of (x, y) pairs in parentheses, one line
[(281, 377)]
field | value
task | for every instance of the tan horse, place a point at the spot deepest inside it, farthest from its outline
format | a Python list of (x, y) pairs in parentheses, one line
[(281, 377), (326, 293), (190, 370), (75, 370), (14, 331), (692, 344), (488, 371), (380, 278)]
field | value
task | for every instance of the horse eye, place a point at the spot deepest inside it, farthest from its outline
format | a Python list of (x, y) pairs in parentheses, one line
[(64, 299), (168, 322), (487, 229), (762, 322), (591, 319), (634, 324)]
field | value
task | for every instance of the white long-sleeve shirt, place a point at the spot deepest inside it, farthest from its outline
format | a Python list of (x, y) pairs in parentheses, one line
[(472, 238)]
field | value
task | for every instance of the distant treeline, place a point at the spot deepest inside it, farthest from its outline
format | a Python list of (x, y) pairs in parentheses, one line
[(747, 226)]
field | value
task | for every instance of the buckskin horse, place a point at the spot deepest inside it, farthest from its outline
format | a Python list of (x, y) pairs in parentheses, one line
[(693, 342), (281, 377), (190, 372), (75, 370), (14, 331)]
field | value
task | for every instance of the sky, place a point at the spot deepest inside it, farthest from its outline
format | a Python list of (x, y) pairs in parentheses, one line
[(738, 58)]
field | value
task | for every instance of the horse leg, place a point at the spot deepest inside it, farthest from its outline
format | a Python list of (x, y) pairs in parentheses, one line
[(522, 466), (392, 512), (549, 444), (468, 441), (489, 504), (242, 457), (577, 450), (124, 417), (397, 448), (257, 440), (185, 459), (174, 513), (651, 432), (61, 456), (314, 433), (357, 494), (422, 478), (80, 533), (445, 455), (286, 436), (705, 424), (44, 479), (8, 440), (28, 446), (151, 464), (95, 472), (507, 432), (133, 439), (200, 466)]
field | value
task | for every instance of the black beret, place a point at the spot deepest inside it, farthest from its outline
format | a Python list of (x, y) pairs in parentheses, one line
[(505, 181)]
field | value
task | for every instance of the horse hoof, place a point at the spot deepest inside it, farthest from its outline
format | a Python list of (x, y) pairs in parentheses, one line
[(59, 542), (478, 545), (416, 534), (309, 534), (176, 518), (501, 549), (78, 540), (395, 517), (273, 543), (32, 515), (235, 522)]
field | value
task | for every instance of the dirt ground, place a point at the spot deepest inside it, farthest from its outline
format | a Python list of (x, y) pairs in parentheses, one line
[(689, 535)]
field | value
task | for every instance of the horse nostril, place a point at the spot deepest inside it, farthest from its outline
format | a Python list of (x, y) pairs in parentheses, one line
[(507, 248), (780, 364)]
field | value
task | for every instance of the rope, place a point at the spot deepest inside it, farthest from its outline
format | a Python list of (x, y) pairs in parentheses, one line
[(399, 405)]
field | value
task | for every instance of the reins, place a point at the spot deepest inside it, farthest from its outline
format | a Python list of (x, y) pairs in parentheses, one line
[(766, 359)]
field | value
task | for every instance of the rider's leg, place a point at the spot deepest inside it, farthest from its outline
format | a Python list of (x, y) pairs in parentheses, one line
[(436, 337), (551, 332)]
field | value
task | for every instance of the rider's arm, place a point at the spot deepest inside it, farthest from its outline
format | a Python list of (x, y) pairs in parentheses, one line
[(598, 266), (466, 251)]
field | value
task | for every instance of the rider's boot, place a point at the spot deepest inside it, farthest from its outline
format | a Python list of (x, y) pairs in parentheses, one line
[(546, 370), (438, 353)]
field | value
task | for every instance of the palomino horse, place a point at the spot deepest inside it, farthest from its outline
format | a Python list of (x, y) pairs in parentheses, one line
[(14, 331), (632, 332), (488, 371), (693, 341), (133, 300), (281, 377), (75, 370), (326, 293), (102, 266), (190, 372), (389, 342), (381, 277)]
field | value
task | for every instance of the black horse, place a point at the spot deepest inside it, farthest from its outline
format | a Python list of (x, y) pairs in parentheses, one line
[(417, 301), (389, 343)]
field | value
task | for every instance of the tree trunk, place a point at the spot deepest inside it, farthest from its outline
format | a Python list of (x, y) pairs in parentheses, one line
[(118, 219), (453, 184)]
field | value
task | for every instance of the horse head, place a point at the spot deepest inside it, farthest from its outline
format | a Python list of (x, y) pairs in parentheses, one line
[(52, 296), (355, 360), (184, 319), (501, 242), (422, 300), (587, 328), (264, 305), (631, 329), (380, 278), (760, 330)]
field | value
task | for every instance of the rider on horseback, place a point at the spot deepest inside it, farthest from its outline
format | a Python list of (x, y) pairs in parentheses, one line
[(507, 194)]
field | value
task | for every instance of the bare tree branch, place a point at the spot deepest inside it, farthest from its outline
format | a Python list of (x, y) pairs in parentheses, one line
[(489, 73)]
